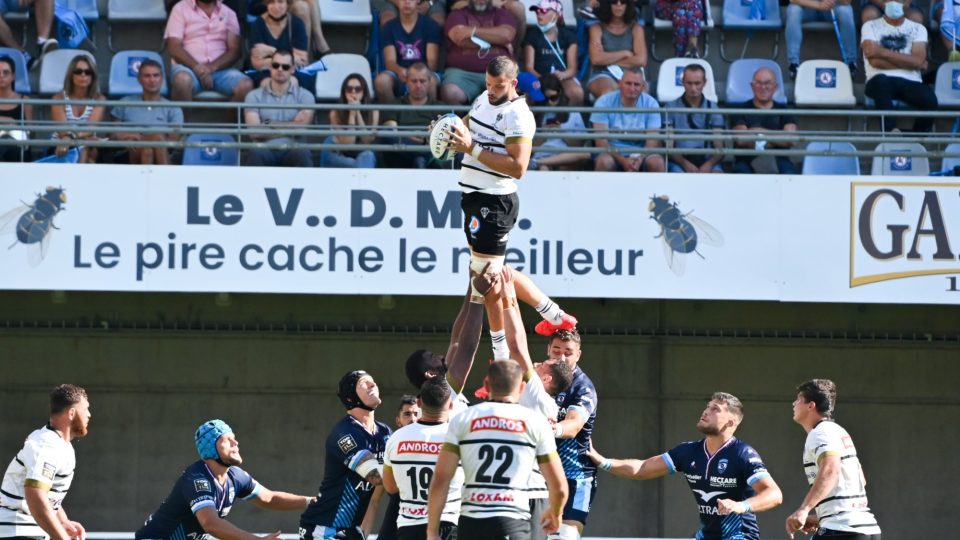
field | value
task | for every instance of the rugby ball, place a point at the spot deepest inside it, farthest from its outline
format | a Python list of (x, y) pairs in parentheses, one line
[(440, 136)]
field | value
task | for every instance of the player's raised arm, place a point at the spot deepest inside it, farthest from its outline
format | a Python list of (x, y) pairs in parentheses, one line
[(280, 500), (513, 324), (634, 469)]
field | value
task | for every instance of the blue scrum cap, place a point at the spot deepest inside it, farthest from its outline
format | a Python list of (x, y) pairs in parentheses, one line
[(207, 435)]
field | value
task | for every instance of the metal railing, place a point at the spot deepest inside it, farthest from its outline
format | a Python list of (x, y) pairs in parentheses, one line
[(312, 137)]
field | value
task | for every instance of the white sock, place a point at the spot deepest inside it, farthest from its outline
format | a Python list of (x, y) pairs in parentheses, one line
[(549, 310), (500, 349)]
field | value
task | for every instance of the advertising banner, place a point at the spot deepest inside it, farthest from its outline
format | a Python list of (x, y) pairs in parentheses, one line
[(337, 231)]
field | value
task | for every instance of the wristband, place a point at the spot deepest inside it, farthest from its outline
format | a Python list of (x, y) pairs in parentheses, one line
[(367, 467), (746, 506), (607, 464), (476, 150), (557, 431)]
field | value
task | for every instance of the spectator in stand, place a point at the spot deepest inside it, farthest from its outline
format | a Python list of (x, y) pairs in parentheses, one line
[(552, 49), (802, 11), (554, 124), (936, 11), (686, 15), (516, 8), (616, 43), (628, 155), (79, 83), (11, 115), (354, 91), (474, 35), (894, 54), (419, 78), (308, 11), (873, 9), (277, 30), (408, 39), (150, 77), (280, 89), (694, 79), (764, 85), (42, 12), (390, 9), (203, 39)]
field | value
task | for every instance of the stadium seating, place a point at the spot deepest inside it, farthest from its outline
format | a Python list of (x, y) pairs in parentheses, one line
[(21, 18), (824, 83), (352, 12), (669, 82), (22, 83), (947, 86), (740, 75), (123, 72), (667, 25), (127, 11), (53, 68), (901, 164), (338, 67), (210, 155), (845, 165), (569, 13), (736, 16), (949, 163)]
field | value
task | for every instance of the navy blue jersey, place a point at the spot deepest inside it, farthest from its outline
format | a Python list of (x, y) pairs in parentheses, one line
[(344, 494), (196, 488), (582, 397), (728, 474)]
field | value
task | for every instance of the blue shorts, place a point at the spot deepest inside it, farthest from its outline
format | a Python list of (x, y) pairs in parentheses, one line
[(224, 81), (582, 492)]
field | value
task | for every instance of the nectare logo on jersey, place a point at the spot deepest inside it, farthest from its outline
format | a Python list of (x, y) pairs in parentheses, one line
[(497, 423), (419, 447)]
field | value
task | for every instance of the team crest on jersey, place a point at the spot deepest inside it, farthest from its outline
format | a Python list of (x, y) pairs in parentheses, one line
[(499, 117), (418, 447), (346, 443), (722, 466), (49, 470), (201, 485), (497, 423), (484, 212), (474, 225)]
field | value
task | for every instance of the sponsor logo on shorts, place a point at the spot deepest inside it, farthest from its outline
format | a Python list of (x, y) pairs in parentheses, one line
[(346, 443), (497, 423), (491, 496), (484, 212), (414, 511), (474, 225), (49, 471), (418, 447), (201, 485)]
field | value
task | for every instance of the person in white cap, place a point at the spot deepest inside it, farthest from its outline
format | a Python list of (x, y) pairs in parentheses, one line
[(552, 48)]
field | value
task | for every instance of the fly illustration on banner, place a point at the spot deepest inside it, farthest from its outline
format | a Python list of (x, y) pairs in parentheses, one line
[(681, 233), (33, 223)]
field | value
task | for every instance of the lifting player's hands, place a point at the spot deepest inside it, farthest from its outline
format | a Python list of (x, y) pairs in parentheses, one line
[(729, 506), (484, 282), (74, 530), (460, 138)]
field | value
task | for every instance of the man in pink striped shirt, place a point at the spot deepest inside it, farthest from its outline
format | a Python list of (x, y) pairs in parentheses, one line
[(203, 37)]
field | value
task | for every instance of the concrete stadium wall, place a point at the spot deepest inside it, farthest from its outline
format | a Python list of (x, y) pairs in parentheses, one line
[(151, 388)]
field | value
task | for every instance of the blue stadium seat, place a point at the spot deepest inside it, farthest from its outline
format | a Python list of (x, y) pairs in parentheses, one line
[(741, 74), (133, 11), (669, 80), (736, 16), (210, 155), (824, 83), (87, 9), (902, 163), (53, 68), (949, 163), (844, 165), (947, 87), (22, 83), (338, 67), (124, 68), (346, 11)]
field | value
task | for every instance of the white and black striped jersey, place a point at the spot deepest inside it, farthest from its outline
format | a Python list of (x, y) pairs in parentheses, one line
[(46, 461), (845, 508), (493, 127), (499, 445), (535, 397), (411, 455)]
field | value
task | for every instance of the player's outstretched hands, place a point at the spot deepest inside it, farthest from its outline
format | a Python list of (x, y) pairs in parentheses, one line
[(75, 530), (550, 522), (484, 282), (729, 506)]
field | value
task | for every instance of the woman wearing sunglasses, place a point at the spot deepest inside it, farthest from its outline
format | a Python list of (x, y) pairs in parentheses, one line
[(80, 83), (617, 42), (553, 125), (274, 31), (552, 49), (355, 91), (11, 115)]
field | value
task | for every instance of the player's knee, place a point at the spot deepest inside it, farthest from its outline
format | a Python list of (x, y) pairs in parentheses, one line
[(566, 532)]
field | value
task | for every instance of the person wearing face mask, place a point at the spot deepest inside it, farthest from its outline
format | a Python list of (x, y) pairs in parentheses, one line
[(552, 49), (475, 35), (873, 9), (894, 54)]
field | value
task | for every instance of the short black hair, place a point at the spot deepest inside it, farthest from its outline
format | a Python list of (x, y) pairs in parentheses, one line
[(503, 65), (435, 394), (562, 377), (406, 400), (9, 61), (284, 52), (695, 67), (65, 396), (149, 62), (504, 377), (567, 335), (733, 403), (822, 393)]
